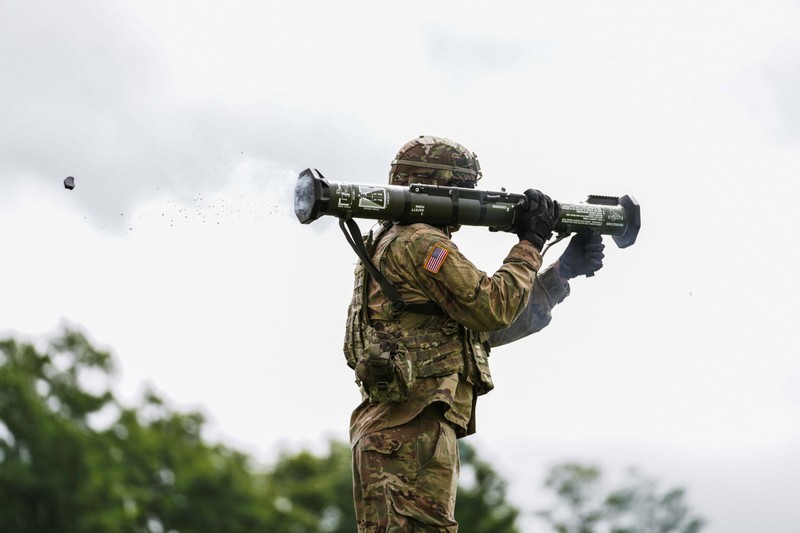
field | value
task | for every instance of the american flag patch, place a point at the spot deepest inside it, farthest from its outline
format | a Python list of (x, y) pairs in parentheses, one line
[(435, 260)]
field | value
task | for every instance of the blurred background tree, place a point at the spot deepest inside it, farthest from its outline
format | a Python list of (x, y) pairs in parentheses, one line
[(312, 493), (74, 459), (481, 505), (148, 470), (583, 506)]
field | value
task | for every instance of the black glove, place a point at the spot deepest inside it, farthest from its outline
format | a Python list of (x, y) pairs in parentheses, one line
[(583, 256), (536, 222)]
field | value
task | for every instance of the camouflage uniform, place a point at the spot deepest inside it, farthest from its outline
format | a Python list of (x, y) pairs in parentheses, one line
[(405, 457)]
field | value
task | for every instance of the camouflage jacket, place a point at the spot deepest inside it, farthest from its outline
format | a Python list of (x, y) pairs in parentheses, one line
[(479, 310)]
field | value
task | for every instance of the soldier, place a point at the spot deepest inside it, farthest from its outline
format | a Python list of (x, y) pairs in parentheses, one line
[(422, 368)]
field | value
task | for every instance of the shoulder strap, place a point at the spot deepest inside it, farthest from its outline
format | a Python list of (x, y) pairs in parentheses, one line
[(353, 235)]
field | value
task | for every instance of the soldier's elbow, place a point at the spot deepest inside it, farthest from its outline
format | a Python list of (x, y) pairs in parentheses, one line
[(489, 323)]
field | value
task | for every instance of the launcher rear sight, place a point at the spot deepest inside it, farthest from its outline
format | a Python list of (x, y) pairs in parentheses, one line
[(315, 196)]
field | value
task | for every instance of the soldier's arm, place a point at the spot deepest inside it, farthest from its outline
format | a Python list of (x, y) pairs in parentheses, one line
[(469, 296), (548, 291)]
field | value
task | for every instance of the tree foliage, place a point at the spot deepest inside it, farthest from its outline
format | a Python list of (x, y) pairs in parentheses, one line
[(148, 468), (74, 459), (637, 506), (481, 505), (313, 494)]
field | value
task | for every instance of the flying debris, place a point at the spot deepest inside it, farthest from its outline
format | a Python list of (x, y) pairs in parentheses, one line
[(69, 183)]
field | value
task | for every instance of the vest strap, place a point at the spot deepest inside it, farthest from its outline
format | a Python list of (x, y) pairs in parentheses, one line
[(352, 233)]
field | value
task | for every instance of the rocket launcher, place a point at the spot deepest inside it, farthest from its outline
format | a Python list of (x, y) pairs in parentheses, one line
[(315, 196)]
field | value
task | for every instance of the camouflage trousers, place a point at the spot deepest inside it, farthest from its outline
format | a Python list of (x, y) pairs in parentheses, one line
[(405, 478)]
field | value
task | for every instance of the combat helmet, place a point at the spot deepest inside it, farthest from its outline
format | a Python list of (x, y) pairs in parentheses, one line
[(435, 161)]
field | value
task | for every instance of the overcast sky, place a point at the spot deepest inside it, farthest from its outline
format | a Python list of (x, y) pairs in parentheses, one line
[(185, 125)]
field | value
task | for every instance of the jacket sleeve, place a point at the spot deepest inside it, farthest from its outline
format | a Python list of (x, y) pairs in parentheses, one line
[(469, 296), (548, 291)]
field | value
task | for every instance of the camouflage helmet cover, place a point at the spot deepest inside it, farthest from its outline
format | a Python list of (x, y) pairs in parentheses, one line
[(435, 161)]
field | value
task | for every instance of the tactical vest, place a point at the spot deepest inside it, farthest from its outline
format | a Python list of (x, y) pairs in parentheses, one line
[(432, 352)]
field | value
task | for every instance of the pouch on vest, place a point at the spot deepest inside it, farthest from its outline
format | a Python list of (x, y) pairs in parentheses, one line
[(384, 368), (478, 347)]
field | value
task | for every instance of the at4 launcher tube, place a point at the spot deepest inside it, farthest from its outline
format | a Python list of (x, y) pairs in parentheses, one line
[(315, 196)]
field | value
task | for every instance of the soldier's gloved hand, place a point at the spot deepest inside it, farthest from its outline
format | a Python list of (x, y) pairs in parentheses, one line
[(536, 222), (583, 256)]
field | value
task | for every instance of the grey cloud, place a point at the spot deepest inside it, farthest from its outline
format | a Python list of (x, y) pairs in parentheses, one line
[(81, 88), (88, 95)]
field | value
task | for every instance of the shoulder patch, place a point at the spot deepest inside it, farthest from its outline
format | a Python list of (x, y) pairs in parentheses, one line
[(435, 260)]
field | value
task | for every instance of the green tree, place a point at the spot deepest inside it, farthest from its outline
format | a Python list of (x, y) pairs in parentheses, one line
[(313, 494), (481, 505), (637, 506), (45, 448), (148, 468), (148, 471), (167, 478)]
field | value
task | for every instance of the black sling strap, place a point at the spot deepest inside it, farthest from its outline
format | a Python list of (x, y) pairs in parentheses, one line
[(356, 242)]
